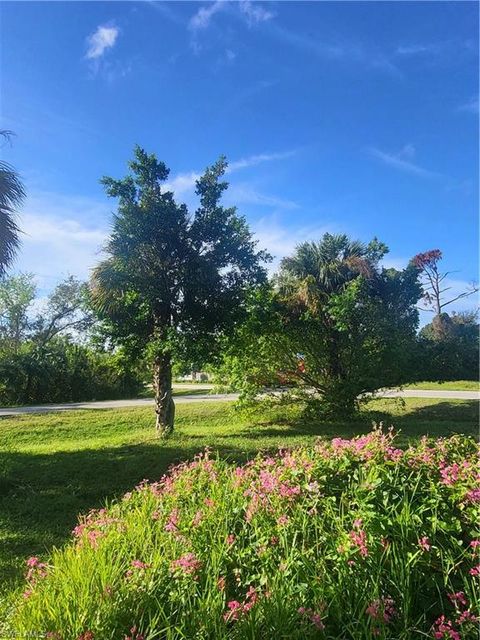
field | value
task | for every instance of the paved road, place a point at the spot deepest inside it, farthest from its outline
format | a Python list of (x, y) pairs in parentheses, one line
[(418, 393), (209, 397)]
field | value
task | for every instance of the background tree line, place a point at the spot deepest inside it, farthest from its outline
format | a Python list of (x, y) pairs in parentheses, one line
[(182, 288), (52, 351)]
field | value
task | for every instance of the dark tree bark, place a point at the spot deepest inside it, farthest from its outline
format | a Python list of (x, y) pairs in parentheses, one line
[(162, 386)]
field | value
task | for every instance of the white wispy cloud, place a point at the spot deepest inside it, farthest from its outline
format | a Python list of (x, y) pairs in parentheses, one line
[(280, 240), (103, 38), (183, 184), (471, 106), (417, 49), (254, 13), (243, 193), (344, 51), (402, 160), (61, 235), (252, 161), (202, 18)]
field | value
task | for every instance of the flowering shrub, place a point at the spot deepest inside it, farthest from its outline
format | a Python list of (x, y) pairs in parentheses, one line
[(345, 539)]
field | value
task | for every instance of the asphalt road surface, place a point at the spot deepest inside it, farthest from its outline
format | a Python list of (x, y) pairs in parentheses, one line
[(210, 397)]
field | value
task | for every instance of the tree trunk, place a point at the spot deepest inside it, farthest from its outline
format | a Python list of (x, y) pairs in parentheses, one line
[(162, 386)]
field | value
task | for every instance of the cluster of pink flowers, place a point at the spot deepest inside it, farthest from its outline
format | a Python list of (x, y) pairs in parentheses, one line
[(238, 609), (172, 521), (36, 569), (376, 443), (473, 496), (137, 567), (443, 628), (188, 564), (449, 474), (314, 617), (382, 609), (86, 635), (359, 538), (458, 598), (94, 526)]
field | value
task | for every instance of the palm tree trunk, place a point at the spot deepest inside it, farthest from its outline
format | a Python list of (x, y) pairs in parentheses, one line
[(162, 386)]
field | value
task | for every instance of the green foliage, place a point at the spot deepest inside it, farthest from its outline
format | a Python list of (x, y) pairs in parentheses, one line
[(56, 465), (449, 348), (41, 358), (351, 539), (12, 195), (336, 324), (17, 294), (63, 371), (173, 283)]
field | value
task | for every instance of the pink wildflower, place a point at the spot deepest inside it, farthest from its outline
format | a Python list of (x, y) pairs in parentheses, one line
[(473, 496), (424, 543), (467, 616), (138, 564), (197, 518), (359, 539), (134, 634), (238, 609), (443, 628), (450, 474), (458, 597), (314, 617), (475, 571), (230, 539), (172, 522), (188, 564), (36, 569), (283, 520), (234, 610)]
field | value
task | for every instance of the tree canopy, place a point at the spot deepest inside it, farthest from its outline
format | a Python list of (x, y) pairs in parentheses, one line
[(336, 325), (173, 281)]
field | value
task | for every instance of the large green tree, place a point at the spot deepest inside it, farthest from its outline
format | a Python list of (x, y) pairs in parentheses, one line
[(173, 282), (12, 194), (336, 326)]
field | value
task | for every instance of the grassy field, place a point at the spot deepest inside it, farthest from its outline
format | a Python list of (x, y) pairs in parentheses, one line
[(454, 385), (53, 466)]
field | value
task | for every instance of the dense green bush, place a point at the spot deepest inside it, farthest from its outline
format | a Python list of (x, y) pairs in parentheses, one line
[(353, 539), (62, 371), (449, 348)]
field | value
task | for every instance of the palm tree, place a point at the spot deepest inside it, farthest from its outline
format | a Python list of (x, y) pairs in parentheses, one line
[(12, 194), (319, 269), (332, 262)]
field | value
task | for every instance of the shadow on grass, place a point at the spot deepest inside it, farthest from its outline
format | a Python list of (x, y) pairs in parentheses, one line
[(41, 495), (439, 419)]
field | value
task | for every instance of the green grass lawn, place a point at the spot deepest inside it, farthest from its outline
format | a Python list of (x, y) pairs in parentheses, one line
[(53, 466), (454, 385)]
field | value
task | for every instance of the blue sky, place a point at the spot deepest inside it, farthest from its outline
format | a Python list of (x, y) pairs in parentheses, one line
[(353, 117)]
